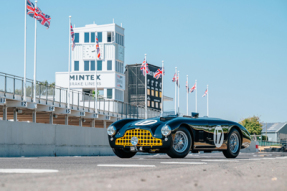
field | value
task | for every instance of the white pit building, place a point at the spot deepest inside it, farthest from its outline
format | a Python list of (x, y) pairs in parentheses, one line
[(110, 66)]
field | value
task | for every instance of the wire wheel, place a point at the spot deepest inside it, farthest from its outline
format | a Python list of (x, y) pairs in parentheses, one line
[(180, 142), (234, 143)]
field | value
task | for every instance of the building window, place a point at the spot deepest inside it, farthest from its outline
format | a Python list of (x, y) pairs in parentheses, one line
[(160, 94), (100, 36), (148, 103), (156, 104), (109, 93), (156, 93), (87, 37), (152, 92), (99, 65), (117, 38), (109, 37), (148, 92), (92, 65), (119, 67), (86, 65), (152, 104), (92, 37), (76, 66), (76, 37), (109, 65)]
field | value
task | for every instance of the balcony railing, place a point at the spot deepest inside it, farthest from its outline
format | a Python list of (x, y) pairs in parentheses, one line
[(48, 94)]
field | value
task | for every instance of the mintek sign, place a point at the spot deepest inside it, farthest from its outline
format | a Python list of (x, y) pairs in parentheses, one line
[(81, 80), (84, 80), (84, 77)]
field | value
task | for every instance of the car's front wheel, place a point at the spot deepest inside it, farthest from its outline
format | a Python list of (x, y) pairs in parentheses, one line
[(233, 144), (124, 154), (181, 143)]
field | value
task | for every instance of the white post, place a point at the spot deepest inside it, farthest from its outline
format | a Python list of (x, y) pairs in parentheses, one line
[(162, 67), (187, 90), (196, 96), (25, 46), (69, 64), (96, 85), (175, 91), (145, 88), (178, 93), (207, 100), (35, 57)]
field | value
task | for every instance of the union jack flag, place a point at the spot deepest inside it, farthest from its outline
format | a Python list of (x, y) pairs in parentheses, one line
[(44, 19), (177, 82), (205, 93), (98, 48), (37, 14), (73, 37), (186, 85), (158, 73), (30, 9), (193, 88), (144, 68), (174, 77)]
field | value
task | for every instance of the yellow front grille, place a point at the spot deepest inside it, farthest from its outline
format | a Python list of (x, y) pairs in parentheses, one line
[(144, 136)]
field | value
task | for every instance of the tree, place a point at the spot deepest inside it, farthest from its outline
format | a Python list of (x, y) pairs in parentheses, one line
[(252, 124)]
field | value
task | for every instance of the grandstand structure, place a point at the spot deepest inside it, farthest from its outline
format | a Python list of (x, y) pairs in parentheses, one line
[(51, 105)]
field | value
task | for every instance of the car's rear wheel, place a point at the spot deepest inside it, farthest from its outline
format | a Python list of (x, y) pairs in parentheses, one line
[(124, 154), (181, 143), (233, 144)]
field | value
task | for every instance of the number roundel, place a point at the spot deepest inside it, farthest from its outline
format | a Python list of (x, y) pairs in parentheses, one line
[(146, 122), (218, 136)]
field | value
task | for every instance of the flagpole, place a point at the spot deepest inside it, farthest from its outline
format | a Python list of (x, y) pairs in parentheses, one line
[(96, 68), (175, 78), (162, 98), (69, 64), (178, 93), (35, 56), (187, 90), (25, 46), (196, 96), (145, 86), (207, 100)]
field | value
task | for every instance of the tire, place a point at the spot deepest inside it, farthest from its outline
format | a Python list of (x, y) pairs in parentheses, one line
[(182, 147), (233, 150), (124, 154)]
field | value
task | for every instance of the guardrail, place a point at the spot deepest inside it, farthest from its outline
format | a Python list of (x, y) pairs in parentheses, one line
[(48, 94)]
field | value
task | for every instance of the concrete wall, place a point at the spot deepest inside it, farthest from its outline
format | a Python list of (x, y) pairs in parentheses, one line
[(30, 139), (251, 148)]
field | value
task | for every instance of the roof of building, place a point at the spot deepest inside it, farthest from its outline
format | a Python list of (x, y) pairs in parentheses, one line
[(166, 98), (273, 127)]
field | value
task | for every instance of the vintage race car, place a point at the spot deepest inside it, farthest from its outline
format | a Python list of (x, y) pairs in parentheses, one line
[(177, 136)]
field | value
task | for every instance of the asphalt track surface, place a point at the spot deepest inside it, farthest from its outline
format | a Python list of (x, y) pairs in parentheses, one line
[(253, 171)]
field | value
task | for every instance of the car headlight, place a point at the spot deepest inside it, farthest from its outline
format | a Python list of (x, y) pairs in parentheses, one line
[(165, 130), (111, 130)]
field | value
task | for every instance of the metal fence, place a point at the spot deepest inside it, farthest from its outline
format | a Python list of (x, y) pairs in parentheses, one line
[(281, 139), (269, 143), (48, 94)]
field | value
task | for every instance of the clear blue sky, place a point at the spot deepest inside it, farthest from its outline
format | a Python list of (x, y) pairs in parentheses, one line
[(238, 48)]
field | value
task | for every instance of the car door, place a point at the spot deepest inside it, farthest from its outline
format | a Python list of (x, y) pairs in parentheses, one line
[(200, 128)]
